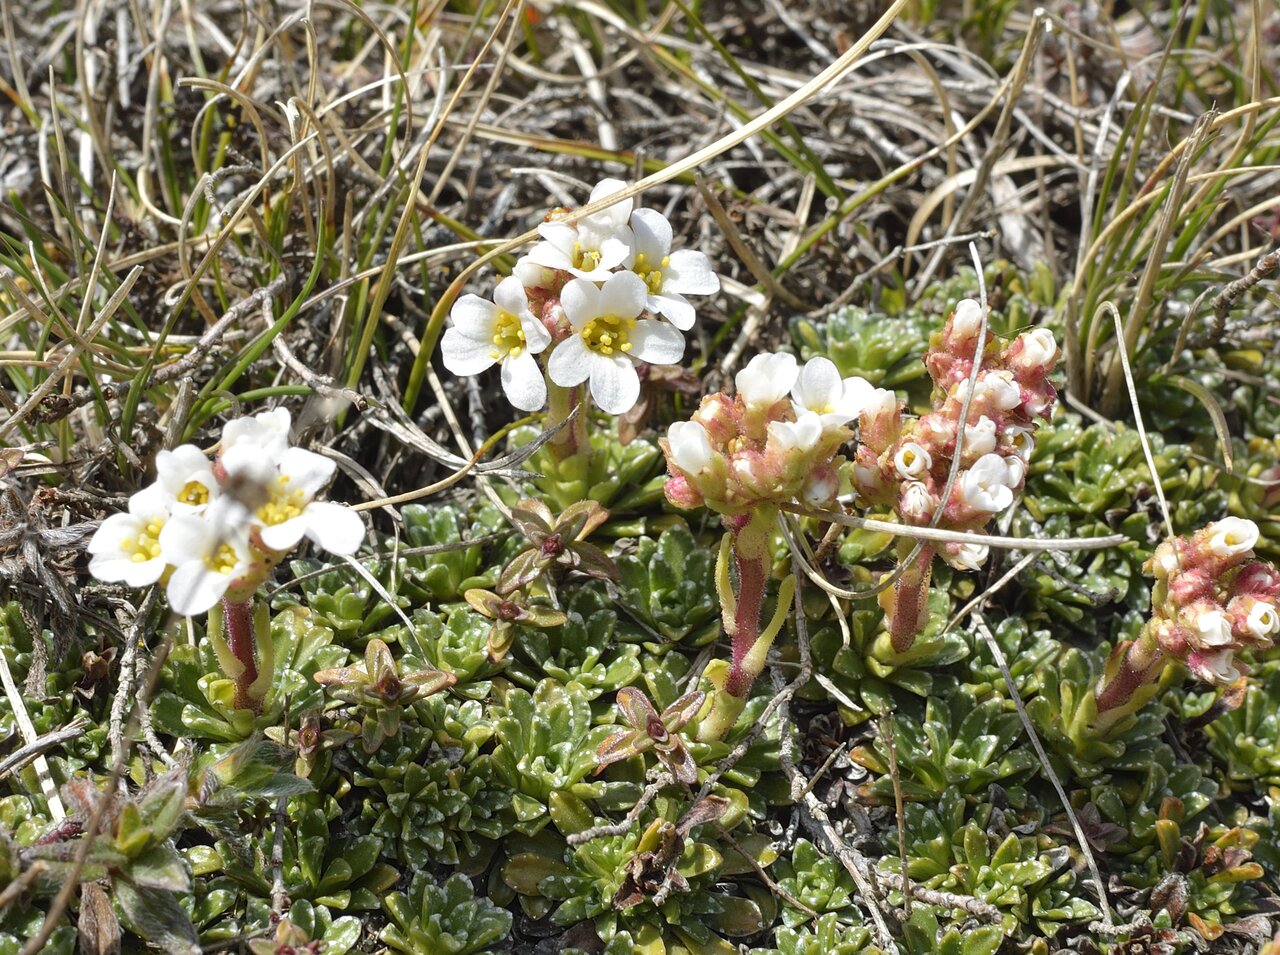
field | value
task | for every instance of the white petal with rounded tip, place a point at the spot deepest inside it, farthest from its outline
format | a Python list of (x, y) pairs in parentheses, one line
[(689, 272), (465, 356), (193, 589), (188, 537), (675, 308), (336, 528), (615, 386), (522, 382), (616, 215), (623, 295), (613, 249), (767, 378), (307, 471), (1214, 628), (531, 274), (967, 319), (656, 343), (548, 255), (802, 434), (1232, 536), (580, 300), (559, 235), (536, 336), (110, 535), (124, 570), (690, 447), (474, 316), (653, 236), (285, 535), (150, 502), (509, 295), (818, 387), (268, 430), (570, 363)]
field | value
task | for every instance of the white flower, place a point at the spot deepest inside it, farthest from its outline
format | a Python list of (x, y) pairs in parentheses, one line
[(1217, 666), (980, 438), (608, 337), (1003, 390), (967, 556), (912, 460), (126, 547), (1232, 536), (267, 431), (766, 379), (1017, 470), (985, 486), (880, 401), (1039, 348), (967, 318), (669, 276), (1022, 440), (917, 503), (690, 447), (1263, 621), (594, 245), (1213, 629), (185, 476), (502, 332), (209, 552), (821, 487), (820, 389), (290, 510), (801, 435)]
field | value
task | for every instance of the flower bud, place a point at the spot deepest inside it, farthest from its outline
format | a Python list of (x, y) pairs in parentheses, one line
[(879, 422), (821, 488), (1258, 579), (966, 320), (1215, 666), (1211, 628), (1021, 440), (980, 438), (912, 461), (719, 417), (1255, 620), (917, 503), (688, 448), (681, 493), (985, 486), (1231, 537), (965, 556), (766, 380), (1033, 352)]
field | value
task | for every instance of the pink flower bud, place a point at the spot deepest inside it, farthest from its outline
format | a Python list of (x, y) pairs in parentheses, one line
[(965, 321), (916, 503), (681, 493), (1258, 579), (719, 417), (1214, 666), (1253, 620), (821, 488), (880, 420), (1032, 353)]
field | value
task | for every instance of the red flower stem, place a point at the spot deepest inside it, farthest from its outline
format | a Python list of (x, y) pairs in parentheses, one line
[(237, 629), (751, 560), (910, 600), (1140, 665)]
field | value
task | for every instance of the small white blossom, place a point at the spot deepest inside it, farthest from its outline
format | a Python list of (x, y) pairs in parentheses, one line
[(126, 547), (1216, 667), (967, 556), (1017, 470), (766, 379), (669, 276), (1039, 348), (209, 552), (1213, 629), (801, 435), (1022, 440), (690, 447), (185, 477), (917, 503), (967, 319), (502, 332), (880, 401), (821, 487), (1232, 536), (912, 460), (985, 486), (1263, 621), (820, 389), (267, 431), (980, 438), (608, 337), (593, 246)]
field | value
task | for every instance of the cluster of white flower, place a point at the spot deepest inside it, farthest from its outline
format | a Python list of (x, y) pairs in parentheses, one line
[(212, 528), (583, 292)]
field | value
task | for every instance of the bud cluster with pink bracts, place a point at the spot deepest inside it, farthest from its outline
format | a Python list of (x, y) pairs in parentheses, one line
[(1211, 599), (776, 441), (904, 462)]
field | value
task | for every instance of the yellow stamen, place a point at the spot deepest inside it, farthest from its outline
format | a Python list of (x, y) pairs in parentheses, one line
[(584, 260), (194, 493), (651, 274), (222, 561), (609, 333), (508, 337), (146, 546), (283, 506)]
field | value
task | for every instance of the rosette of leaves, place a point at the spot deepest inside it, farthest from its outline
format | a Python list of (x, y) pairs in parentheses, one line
[(196, 700), (431, 795), (1246, 740), (584, 653), (653, 882), (668, 584), (133, 851), (342, 599), (508, 615), (337, 872), (308, 930), (546, 744), (922, 935), (1027, 651), (449, 566), (1093, 481), (869, 677), (826, 936), (557, 543), (625, 478), (984, 856), (446, 919), (381, 691), (959, 746), (820, 882)]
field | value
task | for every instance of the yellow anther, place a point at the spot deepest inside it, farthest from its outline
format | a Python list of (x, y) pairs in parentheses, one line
[(508, 335), (608, 333), (194, 493), (222, 561)]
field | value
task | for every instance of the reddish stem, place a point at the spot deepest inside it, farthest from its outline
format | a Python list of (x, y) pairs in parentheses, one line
[(910, 600), (753, 573), (237, 628), (1141, 665)]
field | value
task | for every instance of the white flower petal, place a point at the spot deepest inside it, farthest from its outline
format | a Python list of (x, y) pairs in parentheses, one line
[(522, 382), (675, 308), (614, 216), (580, 300), (336, 528), (766, 379), (194, 588), (570, 363), (474, 317), (268, 430), (615, 386), (463, 355), (623, 295), (657, 343), (536, 336), (1232, 536), (689, 272), (690, 447), (653, 236), (509, 295), (306, 471), (818, 387), (613, 250), (285, 535)]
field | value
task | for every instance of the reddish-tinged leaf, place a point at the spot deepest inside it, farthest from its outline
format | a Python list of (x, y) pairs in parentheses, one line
[(590, 559), (635, 706), (679, 713), (680, 761), (620, 745)]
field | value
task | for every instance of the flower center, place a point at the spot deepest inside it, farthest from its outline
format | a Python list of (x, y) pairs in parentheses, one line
[(608, 334), (652, 274), (193, 493), (585, 259), (283, 506), (508, 337), (223, 560), (146, 546)]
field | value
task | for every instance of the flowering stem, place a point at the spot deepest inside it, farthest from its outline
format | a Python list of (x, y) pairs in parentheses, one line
[(907, 603), (571, 440), (238, 632), (1129, 680)]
